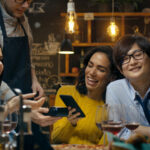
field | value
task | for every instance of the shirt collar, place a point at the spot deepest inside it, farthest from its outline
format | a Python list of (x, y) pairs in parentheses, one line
[(133, 92)]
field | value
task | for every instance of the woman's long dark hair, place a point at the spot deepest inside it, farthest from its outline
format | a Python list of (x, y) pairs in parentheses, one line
[(81, 87)]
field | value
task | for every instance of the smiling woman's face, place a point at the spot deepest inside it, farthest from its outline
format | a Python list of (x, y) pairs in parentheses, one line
[(97, 72)]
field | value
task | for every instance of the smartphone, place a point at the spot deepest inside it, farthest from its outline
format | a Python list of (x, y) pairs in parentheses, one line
[(57, 112), (69, 101)]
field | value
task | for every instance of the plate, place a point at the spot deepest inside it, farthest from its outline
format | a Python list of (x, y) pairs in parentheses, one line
[(77, 147)]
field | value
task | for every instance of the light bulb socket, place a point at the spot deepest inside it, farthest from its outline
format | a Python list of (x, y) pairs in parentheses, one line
[(70, 6)]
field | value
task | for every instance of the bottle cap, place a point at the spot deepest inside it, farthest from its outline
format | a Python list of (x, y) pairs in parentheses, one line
[(26, 108)]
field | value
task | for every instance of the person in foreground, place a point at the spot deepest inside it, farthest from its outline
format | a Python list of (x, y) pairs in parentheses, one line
[(11, 103), (132, 57), (16, 43), (88, 93)]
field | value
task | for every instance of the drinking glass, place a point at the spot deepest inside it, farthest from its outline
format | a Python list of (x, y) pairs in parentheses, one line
[(10, 122), (115, 122), (6, 124), (132, 121), (101, 118), (14, 120)]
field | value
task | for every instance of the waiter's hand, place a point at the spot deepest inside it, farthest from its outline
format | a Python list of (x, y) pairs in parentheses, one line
[(36, 87), (14, 103), (42, 120), (35, 104)]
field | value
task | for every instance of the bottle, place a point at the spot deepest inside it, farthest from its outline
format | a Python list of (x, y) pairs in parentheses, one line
[(4, 141), (27, 120), (82, 59), (2, 118)]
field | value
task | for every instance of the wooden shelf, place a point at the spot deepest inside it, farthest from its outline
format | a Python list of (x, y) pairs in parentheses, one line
[(68, 74), (121, 14), (90, 44)]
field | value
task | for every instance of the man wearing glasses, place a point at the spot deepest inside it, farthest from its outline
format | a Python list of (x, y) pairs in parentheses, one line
[(132, 57), (16, 42)]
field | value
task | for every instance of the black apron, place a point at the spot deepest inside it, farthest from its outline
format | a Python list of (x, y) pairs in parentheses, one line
[(17, 74), (16, 60)]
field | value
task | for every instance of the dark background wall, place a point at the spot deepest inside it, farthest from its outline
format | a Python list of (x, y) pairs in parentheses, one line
[(52, 22), (46, 20)]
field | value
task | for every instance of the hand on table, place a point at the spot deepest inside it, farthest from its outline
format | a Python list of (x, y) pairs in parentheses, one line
[(143, 130), (73, 118)]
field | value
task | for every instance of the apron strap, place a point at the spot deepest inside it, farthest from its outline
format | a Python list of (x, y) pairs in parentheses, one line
[(2, 24), (144, 106), (22, 28)]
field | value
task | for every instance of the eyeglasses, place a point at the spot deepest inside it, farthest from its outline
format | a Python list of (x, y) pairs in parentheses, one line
[(137, 55), (23, 1)]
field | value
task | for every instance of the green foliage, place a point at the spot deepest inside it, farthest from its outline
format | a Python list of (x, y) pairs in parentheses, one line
[(132, 2), (121, 1)]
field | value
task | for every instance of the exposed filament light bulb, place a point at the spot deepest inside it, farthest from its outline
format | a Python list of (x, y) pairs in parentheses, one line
[(113, 30), (71, 19)]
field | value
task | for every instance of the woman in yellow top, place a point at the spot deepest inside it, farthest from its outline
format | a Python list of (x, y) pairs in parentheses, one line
[(88, 93)]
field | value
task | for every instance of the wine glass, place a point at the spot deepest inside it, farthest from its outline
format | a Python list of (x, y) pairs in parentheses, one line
[(115, 122), (10, 122), (14, 120), (101, 118), (132, 121), (6, 124)]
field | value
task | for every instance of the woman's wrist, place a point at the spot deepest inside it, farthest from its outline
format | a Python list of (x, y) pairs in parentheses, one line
[(74, 124)]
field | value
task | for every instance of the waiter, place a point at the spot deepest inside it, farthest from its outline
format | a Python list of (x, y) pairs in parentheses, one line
[(16, 41)]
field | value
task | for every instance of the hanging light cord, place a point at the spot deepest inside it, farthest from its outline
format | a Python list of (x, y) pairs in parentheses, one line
[(113, 8)]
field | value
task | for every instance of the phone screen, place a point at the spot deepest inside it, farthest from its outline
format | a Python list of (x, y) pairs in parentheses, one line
[(58, 112), (69, 101)]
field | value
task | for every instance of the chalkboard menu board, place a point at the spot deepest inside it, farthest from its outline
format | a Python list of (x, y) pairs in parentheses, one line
[(45, 59)]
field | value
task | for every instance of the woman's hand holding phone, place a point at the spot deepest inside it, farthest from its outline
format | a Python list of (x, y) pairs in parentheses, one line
[(73, 116)]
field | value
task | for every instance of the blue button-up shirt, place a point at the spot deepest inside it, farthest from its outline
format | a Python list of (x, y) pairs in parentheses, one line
[(121, 92)]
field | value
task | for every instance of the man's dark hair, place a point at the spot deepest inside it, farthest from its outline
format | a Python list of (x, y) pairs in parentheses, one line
[(125, 43)]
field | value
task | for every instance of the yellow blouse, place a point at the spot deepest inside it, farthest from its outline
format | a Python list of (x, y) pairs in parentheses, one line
[(86, 131)]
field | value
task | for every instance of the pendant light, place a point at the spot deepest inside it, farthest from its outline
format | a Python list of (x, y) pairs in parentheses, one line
[(112, 29)]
